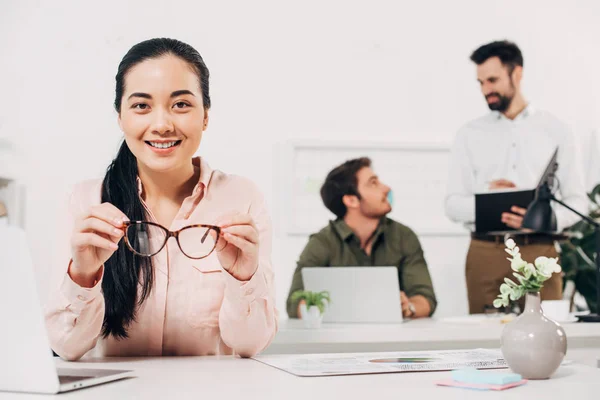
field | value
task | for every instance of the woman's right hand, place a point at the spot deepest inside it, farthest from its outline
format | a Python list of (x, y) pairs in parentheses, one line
[(95, 238)]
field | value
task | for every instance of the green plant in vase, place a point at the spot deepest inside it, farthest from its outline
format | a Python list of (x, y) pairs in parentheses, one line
[(530, 277), (532, 345)]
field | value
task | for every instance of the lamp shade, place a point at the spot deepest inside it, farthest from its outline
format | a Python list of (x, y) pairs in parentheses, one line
[(540, 216)]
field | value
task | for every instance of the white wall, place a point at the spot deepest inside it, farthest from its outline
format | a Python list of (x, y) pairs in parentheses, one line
[(387, 70)]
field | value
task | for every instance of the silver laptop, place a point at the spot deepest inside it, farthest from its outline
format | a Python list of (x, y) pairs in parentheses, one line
[(26, 360), (358, 294)]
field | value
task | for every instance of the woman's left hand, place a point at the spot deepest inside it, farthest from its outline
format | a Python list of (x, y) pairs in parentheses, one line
[(237, 249)]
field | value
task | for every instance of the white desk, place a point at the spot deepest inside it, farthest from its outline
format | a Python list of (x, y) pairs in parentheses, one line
[(422, 334), (211, 378)]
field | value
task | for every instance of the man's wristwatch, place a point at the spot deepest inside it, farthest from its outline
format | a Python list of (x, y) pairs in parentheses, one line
[(412, 309)]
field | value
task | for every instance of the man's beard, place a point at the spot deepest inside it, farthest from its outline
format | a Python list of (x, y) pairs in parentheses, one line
[(370, 212), (502, 104)]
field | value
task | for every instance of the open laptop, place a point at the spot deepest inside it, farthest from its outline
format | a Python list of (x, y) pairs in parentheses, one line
[(358, 294), (26, 359)]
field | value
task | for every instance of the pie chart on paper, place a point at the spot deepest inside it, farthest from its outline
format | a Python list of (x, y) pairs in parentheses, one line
[(405, 360)]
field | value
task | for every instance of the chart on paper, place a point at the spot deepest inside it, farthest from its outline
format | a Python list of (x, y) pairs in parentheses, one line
[(378, 363)]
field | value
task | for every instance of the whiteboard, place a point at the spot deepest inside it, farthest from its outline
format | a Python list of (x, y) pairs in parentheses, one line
[(416, 173)]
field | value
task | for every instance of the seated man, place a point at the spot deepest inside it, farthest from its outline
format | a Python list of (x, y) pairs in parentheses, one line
[(362, 235)]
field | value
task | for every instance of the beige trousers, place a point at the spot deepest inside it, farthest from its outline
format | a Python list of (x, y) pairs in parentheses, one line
[(487, 266)]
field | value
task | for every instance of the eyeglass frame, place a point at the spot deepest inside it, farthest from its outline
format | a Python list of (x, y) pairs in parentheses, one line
[(170, 234)]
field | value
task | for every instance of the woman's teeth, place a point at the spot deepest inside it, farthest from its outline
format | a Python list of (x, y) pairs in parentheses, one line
[(163, 145)]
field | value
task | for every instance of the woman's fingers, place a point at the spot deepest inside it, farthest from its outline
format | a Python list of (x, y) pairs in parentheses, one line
[(108, 213), (91, 225), (100, 226), (246, 232), (239, 242), (85, 239)]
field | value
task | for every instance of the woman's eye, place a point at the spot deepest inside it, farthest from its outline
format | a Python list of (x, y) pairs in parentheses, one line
[(181, 104), (140, 106)]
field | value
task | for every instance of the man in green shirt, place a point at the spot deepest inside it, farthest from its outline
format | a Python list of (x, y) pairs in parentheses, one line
[(362, 235)]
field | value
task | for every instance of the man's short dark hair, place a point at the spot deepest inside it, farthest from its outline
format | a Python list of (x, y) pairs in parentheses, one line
[(508, 53), (341, 181)]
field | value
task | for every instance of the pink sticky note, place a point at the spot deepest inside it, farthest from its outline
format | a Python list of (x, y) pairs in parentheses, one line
[(480, 386)]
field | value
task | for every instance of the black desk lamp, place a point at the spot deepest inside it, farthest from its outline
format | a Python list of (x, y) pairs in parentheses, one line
[(540, 217)]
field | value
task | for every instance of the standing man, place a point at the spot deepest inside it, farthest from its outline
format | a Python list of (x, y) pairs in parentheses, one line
[(508, 148), (363, 235)]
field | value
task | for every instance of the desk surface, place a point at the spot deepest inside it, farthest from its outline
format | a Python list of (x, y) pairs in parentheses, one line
[(420, 334), (234, 378)]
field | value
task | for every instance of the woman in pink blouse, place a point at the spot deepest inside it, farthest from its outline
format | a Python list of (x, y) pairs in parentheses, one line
[(168, 256)]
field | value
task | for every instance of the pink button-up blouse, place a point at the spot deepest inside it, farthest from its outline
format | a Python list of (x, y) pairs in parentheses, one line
[(195, 307)]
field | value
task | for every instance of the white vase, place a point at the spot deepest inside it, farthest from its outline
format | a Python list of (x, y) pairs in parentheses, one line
[(533, 345), (312, 316)]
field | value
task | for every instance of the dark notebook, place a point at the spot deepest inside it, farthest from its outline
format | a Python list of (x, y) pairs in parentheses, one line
[(490, 206)]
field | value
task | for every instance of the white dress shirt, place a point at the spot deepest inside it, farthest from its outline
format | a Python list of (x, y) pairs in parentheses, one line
[(494, 147)]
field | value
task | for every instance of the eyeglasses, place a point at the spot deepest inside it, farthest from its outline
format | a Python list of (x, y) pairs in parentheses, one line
[(146, 239)]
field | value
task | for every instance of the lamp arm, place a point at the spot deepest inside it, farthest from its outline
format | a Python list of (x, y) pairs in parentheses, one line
[(592, 317), (585, 217)]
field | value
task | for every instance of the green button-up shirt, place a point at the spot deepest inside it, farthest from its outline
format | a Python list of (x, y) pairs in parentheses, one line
[(393, 244)]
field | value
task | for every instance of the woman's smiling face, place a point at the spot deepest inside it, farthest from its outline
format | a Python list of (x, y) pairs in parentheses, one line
[(162, 113)]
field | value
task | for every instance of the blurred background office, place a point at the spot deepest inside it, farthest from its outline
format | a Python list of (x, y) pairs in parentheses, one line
[(344, 71)]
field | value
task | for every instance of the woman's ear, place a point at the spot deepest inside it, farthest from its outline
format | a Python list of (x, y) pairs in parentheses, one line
[(120, 122), (205, 123)]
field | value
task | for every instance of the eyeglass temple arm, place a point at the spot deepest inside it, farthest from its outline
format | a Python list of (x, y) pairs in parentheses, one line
[(205, 235)]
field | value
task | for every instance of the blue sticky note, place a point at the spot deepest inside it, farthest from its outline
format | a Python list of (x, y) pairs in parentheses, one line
[(473, 375)]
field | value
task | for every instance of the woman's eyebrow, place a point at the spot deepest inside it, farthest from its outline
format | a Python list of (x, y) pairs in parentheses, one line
[(139, 94), (181, 93), (149, 97)]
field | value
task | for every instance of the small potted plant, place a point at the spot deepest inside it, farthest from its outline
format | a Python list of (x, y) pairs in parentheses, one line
[(313, 307)]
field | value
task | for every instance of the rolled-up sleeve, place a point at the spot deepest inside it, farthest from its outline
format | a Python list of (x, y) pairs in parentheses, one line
[(416, 279)]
